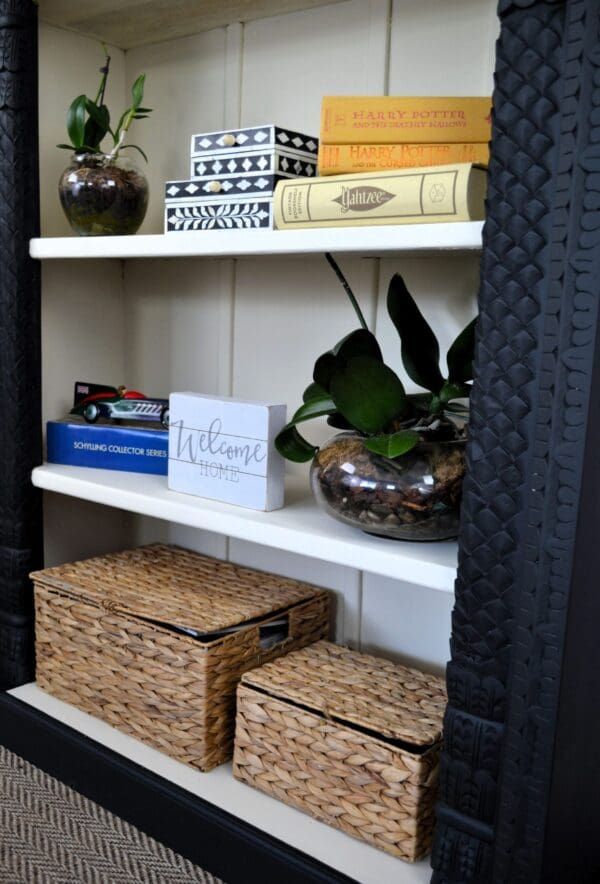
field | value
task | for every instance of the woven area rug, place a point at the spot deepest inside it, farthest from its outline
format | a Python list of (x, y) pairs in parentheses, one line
[(50, 834)]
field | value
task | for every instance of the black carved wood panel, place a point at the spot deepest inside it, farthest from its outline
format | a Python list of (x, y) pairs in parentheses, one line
[(536, 346), (20, 433)]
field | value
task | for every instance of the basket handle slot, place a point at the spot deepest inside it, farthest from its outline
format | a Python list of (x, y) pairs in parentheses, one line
[(274, 633)]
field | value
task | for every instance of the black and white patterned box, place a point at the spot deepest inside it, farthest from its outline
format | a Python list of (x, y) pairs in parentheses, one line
[(246, 162), (268, 136), (225, 186), (242, 214)]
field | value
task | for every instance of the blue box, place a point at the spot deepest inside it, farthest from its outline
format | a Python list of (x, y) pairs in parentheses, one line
[(108, 447)]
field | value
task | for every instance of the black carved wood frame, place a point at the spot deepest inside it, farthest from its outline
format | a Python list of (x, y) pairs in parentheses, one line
[(518, 805), (520, 773), (20, 411)]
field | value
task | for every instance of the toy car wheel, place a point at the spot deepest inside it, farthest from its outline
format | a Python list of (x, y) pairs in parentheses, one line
[(164, 417), (91, 413)]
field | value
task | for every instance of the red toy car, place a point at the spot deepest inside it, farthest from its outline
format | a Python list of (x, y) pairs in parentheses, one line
[(95, 400)]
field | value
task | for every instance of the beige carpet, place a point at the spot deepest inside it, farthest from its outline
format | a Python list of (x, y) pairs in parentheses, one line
[(50, 834)]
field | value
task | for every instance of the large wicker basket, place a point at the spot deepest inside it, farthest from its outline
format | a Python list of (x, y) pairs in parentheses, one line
[(110, 639), (351, 739)]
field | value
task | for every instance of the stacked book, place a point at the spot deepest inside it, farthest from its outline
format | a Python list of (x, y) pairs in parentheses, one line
[(233, 174), (388, 160)]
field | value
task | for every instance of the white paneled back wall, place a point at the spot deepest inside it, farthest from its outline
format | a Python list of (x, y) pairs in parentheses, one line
[(253, 327)]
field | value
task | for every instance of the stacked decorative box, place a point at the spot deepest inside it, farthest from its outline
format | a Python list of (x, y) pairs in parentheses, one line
[(233, 176)]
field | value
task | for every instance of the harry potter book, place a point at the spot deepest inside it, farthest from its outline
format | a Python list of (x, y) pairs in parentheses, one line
[(344, 159), (410, 196), (385, 119)]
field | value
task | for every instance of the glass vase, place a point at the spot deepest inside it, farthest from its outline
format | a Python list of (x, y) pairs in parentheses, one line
[(412, 497), (102, 195)]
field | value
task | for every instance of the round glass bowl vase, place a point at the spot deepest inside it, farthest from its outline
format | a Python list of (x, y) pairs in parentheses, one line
[(103, 195), (412, 497)]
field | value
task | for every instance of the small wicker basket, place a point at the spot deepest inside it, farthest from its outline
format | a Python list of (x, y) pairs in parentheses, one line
[(113, 637), (351, 739)]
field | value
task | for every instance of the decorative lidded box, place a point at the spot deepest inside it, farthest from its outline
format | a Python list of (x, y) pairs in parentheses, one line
[(154, 640), (351, 739), (233, 176)]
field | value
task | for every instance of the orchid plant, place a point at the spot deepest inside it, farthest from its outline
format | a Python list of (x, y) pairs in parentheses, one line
[(355, 390), (88, 120)]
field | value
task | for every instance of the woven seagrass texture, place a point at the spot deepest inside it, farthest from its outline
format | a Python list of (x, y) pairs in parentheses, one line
[(177, 586), (20, 397), (165, 688), (397, 702), (293, 742), (50, 834)]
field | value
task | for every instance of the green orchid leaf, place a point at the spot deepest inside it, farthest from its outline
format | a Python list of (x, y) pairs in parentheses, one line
[(437, 406), (119, 125), (419, 346), (135, 147), (291, 445), (368, 394), (324, 369), (338, 421), (137, 90), (453, 391), (393, 444), (66, 146), (359, 342), (98, 124), (460, 355), (98, 113), (76, 120), (313, 408), (314, 391)]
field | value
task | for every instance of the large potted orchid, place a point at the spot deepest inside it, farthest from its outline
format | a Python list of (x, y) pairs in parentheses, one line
[(396, 468)]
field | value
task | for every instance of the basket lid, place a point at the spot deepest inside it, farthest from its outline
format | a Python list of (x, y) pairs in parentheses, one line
[(395, 701), (175, 586)]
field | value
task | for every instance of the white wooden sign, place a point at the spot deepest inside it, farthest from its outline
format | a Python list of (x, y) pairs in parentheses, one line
[(223, 449)]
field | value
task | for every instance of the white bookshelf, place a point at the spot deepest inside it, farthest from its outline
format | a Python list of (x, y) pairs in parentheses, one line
[(298, 527), (159, 320), (458, 236)]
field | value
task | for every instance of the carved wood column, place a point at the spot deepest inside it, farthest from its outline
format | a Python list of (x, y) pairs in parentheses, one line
[(20, 430), (528, 519)]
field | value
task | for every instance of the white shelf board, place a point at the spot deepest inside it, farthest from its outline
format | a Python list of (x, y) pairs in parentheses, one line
[(359, 861), (299, 527), (373, 241)]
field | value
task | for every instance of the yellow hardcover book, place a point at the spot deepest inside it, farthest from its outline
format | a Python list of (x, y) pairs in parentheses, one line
[(348, 119), (408, 196), (344, 159)]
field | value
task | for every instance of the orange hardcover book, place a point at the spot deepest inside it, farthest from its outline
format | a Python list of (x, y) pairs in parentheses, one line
[(386, 119), (344, 159)]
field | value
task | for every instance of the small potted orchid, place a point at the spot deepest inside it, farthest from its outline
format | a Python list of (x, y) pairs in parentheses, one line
[(102, 191)]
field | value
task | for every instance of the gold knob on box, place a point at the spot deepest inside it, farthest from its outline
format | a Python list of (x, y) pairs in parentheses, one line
[(229, 140), (214, 186)]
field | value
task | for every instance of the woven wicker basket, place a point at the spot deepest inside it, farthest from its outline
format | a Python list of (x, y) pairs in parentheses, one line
[(107, 642), (351, 739)]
